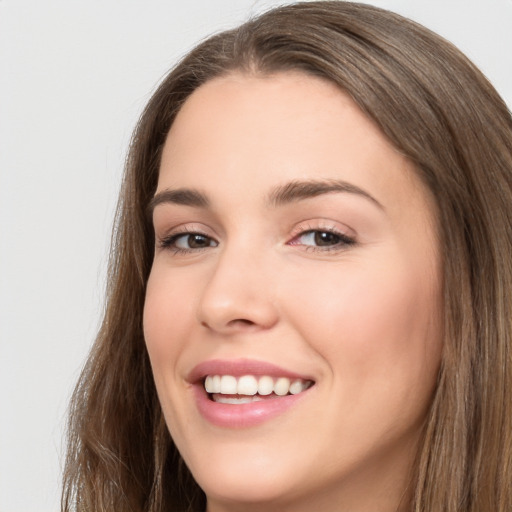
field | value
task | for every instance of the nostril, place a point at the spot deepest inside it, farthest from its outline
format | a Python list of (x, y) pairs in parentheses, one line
[(240, 322)]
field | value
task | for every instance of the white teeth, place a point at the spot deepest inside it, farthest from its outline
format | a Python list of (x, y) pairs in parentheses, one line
[(247, 385), (228, 385), (212, 384), (208, 384), (265, 385), (297, 386), (237, 400), (282, 386), (216, 384), (251, 386)]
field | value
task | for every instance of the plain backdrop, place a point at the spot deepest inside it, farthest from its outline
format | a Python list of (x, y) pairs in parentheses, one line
[(74, 76)]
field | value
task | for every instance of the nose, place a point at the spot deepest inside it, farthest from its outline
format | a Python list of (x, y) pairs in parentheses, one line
[(238, 295)]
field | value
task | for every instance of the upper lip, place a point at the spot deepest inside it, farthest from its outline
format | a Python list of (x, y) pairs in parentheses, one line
[(240, 367)]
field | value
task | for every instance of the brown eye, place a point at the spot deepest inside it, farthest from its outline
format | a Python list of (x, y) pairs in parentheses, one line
[(196, 241), (184, 242), (325, 238)]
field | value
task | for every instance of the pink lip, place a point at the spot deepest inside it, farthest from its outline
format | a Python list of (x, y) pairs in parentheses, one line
[(242, 415)]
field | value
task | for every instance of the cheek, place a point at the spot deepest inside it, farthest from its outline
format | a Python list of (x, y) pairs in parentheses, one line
[(167, 315), (167, 321), (377, 323)]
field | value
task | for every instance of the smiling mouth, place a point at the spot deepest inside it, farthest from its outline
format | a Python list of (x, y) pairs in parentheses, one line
[(228, 389)]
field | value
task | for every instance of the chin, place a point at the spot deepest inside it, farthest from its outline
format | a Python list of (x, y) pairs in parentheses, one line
[(223, 488), (246, 476)]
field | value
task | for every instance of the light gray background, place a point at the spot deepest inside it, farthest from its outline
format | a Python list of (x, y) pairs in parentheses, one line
[(74, 75)]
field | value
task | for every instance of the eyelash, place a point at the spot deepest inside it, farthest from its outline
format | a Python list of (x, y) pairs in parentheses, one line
[(344, 241), (169, 242)]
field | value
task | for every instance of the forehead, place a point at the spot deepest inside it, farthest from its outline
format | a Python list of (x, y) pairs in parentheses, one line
[(265, 130), (291, 105)]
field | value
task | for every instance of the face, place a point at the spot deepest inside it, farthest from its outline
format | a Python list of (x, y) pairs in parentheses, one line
[(296, 276)]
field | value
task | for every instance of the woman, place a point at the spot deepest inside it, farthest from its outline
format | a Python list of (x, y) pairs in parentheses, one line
[(310, 289)]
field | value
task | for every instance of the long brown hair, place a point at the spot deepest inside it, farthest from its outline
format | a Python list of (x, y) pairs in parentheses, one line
[(439, 111)]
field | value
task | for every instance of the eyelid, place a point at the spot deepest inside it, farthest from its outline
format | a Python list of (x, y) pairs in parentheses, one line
[(323, 225), (165, 240), (184, 228), (346, 235)]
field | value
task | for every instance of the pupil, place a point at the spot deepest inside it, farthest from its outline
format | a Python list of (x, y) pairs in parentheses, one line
[(325, 238), (197, 241)]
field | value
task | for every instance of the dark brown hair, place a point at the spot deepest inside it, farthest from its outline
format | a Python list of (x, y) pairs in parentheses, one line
[(439, 111)]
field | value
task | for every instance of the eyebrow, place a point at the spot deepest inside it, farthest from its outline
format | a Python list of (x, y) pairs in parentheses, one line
[(299, 190), (283, 194), (183, 196)]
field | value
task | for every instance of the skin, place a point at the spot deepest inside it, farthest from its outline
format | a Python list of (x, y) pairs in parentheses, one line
[(361, 318)]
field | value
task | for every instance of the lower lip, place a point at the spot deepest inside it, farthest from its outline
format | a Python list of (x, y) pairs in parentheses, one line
[(243, 415)]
